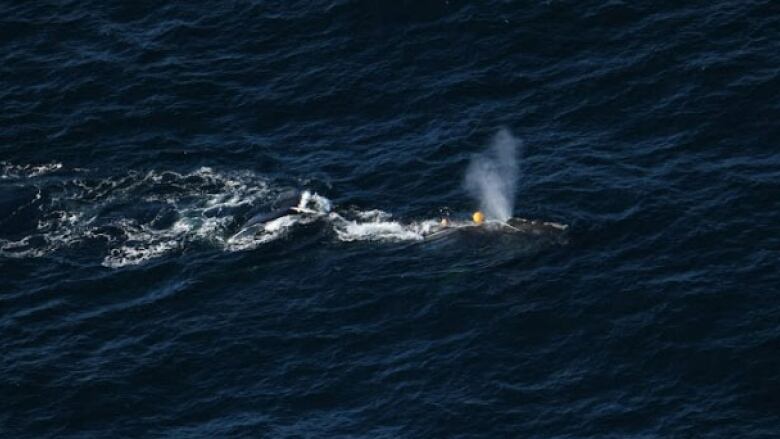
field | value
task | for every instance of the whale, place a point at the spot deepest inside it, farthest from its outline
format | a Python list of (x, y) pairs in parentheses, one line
[(535, 226), (256, 219)]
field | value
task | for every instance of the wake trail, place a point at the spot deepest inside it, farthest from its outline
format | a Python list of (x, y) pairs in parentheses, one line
[(139, 217)]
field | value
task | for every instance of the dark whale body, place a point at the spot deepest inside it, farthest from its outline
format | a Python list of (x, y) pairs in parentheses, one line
[(282, 207), (535, 226), (264, 217)]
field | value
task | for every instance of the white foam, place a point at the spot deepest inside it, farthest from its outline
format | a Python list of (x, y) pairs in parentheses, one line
[(311, 206), (187, 208), (134, 255), (10, 170), (20, 249), (376, 225), (373, 215), (314, 203), (376, 231), (264, 233), (203, 203)]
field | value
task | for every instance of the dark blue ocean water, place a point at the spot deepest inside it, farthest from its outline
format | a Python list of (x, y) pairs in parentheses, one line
[(136, 137)]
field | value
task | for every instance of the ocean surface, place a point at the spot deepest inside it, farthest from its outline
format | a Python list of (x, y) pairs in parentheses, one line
[(138, 138)]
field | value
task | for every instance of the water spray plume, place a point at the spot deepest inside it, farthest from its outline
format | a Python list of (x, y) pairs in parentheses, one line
[(491, 177)]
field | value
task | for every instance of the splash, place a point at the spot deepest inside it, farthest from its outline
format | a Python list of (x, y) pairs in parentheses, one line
[(376, 225), (311, 205), (491, 177), (314, 203)]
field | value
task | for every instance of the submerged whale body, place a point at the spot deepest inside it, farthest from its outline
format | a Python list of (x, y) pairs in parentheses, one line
[(259, 217), (286, 206), (515, 225), (297, 208), (535, 226)]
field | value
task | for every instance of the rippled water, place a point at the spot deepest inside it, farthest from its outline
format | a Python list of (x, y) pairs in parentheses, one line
[(137, 139)]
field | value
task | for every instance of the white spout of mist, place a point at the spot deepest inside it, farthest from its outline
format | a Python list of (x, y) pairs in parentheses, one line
[(491, 177)]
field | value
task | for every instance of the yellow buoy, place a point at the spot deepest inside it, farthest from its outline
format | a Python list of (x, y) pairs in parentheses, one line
[(478, 217)]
